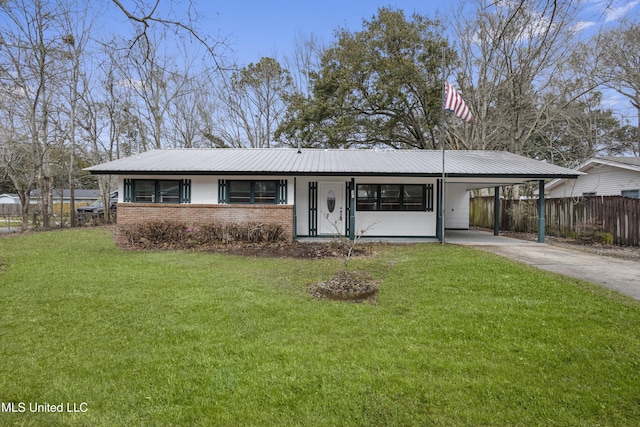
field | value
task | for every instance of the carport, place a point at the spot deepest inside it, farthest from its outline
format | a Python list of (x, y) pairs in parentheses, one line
[(474, 172)]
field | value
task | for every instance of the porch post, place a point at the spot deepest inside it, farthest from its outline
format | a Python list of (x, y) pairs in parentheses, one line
[(496, 211), (352, 209), (295, 206), (541, 222)]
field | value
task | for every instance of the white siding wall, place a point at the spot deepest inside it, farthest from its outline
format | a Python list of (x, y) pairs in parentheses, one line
[(204, 188), (302, 204), (376, 223), (603, 180), (456, 201)]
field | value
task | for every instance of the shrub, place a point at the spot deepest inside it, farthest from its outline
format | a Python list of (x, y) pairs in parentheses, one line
[(592, 232), (164, 234)]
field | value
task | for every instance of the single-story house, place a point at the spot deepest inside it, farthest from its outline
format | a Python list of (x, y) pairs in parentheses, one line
[(316, 192), (9, 199), (604, 176), (80, 195), (9, 204)]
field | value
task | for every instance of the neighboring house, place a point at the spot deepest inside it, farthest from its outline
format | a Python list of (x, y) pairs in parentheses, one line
[(79, 195), (9, 204), (604, 176), (315, 192), (9, 199)]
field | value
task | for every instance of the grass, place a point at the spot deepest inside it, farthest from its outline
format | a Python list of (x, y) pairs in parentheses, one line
[(459, 337)]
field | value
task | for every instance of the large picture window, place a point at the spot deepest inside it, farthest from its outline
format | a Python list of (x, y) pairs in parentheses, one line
[(252, 192), (394, 197), (157, 191)]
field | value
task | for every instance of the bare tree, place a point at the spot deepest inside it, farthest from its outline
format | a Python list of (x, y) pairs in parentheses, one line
[(30, 63), (153, 82), (190, 115), (253, 101), (76, 28), (304, 61), (618, 65), (146, 15), (95, 117), (16, 159), (512, 54)]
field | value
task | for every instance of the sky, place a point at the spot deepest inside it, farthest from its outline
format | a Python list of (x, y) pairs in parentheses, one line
[(253, 29), (269, 28), (257, 28)]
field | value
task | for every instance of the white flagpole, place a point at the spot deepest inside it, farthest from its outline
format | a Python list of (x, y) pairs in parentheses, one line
[(442, 211)]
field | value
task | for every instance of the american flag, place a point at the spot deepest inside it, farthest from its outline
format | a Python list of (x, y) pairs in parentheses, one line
[(453, 102)]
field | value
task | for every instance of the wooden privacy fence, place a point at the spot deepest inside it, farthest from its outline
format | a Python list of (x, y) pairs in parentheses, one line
[(615, 219), (9, 209)]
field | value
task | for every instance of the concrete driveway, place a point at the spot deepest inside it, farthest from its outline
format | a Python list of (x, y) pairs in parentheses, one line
[(620, 275)]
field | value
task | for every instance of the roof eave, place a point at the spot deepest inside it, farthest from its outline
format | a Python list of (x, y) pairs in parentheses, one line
[(529, 177)]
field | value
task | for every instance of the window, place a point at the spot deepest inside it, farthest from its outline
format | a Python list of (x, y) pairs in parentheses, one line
[(394, 197), (252, 192), (157, 191), (367, 197), (168, 191), (239, 191), (264, 192), (144, 191), (589, 194), (634, 194), (390, 199)]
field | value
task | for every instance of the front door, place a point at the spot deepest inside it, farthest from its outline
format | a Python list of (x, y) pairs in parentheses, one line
[(331, 211)]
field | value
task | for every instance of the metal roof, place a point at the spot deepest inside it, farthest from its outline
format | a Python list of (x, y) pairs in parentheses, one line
[(629, 162), (277, 161)]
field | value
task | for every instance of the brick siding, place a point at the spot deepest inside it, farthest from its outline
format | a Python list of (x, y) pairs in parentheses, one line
[(191, 214)]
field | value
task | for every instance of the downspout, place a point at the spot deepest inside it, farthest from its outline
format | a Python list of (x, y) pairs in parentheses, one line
[(496, 211), (541, 222)]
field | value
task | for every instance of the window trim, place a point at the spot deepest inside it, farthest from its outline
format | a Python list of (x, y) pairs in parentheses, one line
[(183, 196), (426, 206), (279, 195)]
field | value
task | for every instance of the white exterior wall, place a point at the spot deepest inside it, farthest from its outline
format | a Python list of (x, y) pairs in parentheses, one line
[(374, 223), (5, 199), (204, 188), (603, 180), (302, 204), (456, 202)]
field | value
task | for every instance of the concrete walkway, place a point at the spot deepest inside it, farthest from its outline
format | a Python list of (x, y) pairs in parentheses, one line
[(620, 275)]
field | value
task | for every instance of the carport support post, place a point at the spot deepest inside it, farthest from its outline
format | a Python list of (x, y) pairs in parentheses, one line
[(496, 211), (541, 224)]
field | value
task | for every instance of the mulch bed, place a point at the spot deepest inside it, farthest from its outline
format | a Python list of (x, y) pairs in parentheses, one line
[(296, 250), (348, 287)]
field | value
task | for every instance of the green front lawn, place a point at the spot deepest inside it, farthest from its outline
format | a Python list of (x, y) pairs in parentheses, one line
[(459, 337)]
